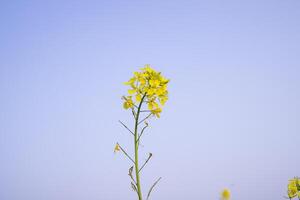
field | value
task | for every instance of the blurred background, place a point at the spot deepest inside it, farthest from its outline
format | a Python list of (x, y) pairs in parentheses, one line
[(232, 119)]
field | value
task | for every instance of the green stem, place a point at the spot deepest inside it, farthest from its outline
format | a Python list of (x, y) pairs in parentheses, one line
[(136, 150)]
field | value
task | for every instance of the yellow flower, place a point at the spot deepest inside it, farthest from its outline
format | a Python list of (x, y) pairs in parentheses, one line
[(130, 82), (293, 188), (117, 148), (128, 103), (163, 99), (156, 112), (225, 194), (152, 104), (161, 90), (150, 86)]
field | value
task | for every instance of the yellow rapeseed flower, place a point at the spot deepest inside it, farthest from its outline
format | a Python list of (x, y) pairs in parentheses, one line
[(156, 112), (117, 148), (150, 86), (128, 103), (225, 194), (293, 188)]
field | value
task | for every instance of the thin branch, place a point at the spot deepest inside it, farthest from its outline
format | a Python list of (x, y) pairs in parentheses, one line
[(145, 111), (150, 155), (145, 118), (152, 188), (126, 127), (138, 140), (126, 153)]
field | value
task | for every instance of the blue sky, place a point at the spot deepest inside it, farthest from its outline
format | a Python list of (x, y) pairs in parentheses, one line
[(232, 119)]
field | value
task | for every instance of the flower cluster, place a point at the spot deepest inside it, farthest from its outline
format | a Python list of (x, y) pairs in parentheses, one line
[(294, 188), (147, 86)]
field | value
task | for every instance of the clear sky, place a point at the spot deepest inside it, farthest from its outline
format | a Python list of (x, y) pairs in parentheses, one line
[(232, 119)]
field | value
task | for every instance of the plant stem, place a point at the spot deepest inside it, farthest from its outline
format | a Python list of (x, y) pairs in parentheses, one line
[(136, 150)]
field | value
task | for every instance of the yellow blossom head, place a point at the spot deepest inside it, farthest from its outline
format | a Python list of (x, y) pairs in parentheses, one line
[(128, 103), (147, 86), (225, 194), (293, 188)]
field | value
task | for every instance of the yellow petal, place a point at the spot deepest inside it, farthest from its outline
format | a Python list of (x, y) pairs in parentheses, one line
[(131, 81), (163, 100), (138, 98), (151, 91), (117, 148), (150, 106), (154, 83), (131, 91)]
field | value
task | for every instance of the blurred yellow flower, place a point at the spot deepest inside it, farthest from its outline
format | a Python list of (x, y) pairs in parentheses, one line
[(293, 188), (117, 148), (150, 86), (225, 194)]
